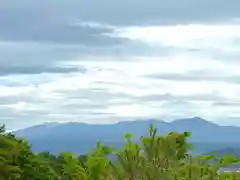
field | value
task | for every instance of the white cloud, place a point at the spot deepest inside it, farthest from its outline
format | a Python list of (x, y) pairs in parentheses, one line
[(191, 36), (117, 85)]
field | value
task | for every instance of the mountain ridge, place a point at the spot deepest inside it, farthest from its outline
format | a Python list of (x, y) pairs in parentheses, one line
[(81, 137)]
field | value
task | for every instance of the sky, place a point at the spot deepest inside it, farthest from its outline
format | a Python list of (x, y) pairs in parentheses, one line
[(108, 61)]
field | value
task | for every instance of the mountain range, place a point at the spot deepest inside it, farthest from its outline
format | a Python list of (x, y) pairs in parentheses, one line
[(82, 137)]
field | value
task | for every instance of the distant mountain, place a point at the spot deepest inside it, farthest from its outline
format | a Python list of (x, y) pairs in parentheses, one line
[(225, 151), (81, 137)]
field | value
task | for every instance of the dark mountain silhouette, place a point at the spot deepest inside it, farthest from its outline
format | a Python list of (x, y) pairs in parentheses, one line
[(81, 137)]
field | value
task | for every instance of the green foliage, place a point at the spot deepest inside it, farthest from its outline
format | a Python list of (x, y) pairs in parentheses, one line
[(155, 158)]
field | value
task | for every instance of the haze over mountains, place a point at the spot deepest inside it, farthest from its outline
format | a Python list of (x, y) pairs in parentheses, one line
[(81, 137)]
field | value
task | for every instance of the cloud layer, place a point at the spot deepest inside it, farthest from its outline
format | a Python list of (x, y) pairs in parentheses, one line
[(83, 61)]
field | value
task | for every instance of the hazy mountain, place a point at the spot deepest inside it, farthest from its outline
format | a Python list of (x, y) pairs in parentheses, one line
[(81, 137), (225, 151)]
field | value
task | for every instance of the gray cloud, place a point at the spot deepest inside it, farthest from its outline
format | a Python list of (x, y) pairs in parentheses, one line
[(67, 34), (39, 28), (100, 95), (201, 75), (46, 33), (12, 70), (36, 57), (122, 12), (33, 58), (183, 98), (227, 104), (30, 58), (52, 21)]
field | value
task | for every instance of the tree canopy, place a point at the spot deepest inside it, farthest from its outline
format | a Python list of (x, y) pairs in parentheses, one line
[(155, 158)]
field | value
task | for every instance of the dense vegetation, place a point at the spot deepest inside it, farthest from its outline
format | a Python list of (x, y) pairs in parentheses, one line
[(156, 158)]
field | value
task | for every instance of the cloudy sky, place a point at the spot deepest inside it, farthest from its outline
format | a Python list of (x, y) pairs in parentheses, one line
[(107, 61)]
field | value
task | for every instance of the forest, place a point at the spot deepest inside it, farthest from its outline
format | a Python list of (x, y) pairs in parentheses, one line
[(155, 158)]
